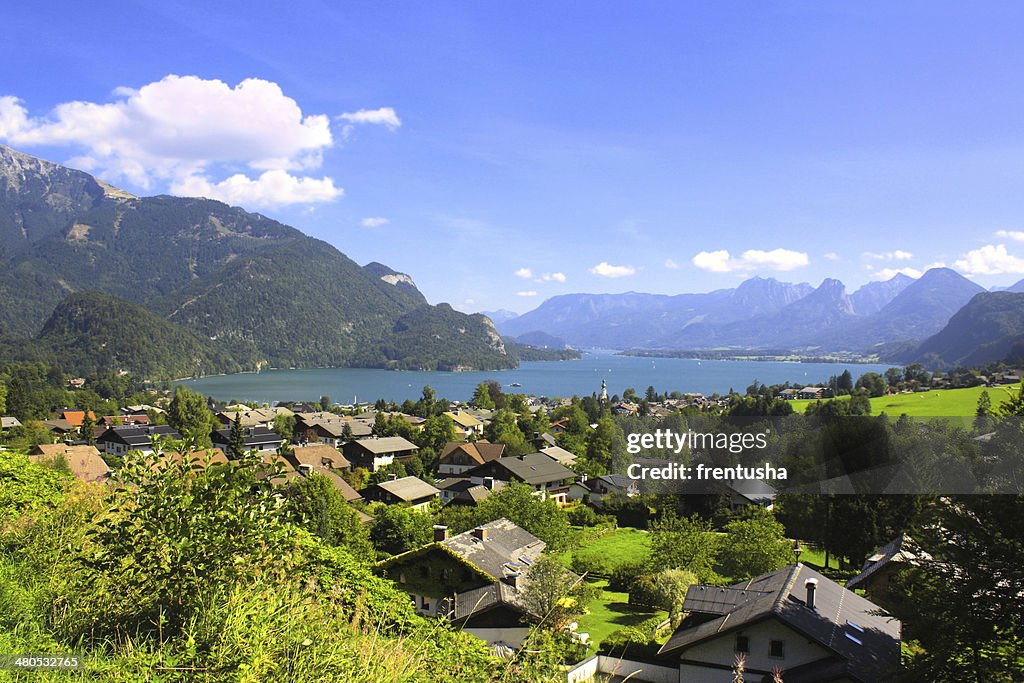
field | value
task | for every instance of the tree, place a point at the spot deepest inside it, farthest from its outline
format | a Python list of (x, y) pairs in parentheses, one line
[(284, 425), (983, 412), (190, 417), (236, 440), (503, 428), (687, 543), (87, 430), (517, 503), (872, 383), (967, 576), (482, 397), (325, 403), (663, 590), (552, 593), (754, 544), (3, 398), (844, 383), (315, 503), (398, 529)]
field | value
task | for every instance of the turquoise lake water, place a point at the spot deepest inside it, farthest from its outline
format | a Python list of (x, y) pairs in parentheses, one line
[(554, 378)]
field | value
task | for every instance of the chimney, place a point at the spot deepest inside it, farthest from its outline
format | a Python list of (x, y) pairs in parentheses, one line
[(489, 483), (392, 477), (516, 580), (480, 533), (811, 585), (440, 532)]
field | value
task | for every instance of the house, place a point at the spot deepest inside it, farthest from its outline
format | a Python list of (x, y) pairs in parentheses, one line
[(406, 490), (598, 488), (559, 426), (9, 423), (77, 417), (331, 432), (120, 440), (462, 491), (318, 457), (459, 457), (878, 570), (814, 393), (466, 424), (253, 439), (252, 417), (788, 394), (793, 619), (473, 579), (83, 461), (546, 475), (374, 453), (744, 492), (114, 420), (567, 458), (59, 426)]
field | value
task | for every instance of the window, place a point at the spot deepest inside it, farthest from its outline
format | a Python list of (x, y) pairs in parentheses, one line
[(776, 649), (742, 644), (425, 603)]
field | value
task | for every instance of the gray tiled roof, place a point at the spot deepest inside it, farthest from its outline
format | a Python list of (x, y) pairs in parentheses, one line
[(534, 469), (506, 544), (895, 551), (387, 444), (838, 614), (472, 602)]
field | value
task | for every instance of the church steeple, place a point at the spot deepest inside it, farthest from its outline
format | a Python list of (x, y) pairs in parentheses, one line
[(603, 398)]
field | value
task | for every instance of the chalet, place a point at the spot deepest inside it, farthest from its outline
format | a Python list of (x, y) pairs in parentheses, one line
[(546, 475), (473, 579), (788, 394), (407, 490), (559, 426), (120, 440), (460, 456), (276, 468), (59, 426), (252, 417), (814, 393), (466, 424), (77, 417), (318, 457), (598, 488), (625, 408), (116, 420), (253, 439), (9, 423), (374, 453), (84, 462), (331, 432), (793, 619), (879, 569), (462, 491)]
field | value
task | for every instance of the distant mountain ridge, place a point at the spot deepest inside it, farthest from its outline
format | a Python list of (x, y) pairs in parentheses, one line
[(260, 291), (761, 313)]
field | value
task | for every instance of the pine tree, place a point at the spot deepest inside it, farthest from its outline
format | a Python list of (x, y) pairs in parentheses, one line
[(236, 443)]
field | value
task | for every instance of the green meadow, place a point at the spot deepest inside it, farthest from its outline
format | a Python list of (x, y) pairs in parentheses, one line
[(933, 403)]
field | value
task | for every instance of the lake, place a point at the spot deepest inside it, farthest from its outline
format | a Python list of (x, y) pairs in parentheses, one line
[(551, 378)]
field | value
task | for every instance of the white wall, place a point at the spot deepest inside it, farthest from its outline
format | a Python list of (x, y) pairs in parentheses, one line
[(721, 651), (513, 637), (650, 673)]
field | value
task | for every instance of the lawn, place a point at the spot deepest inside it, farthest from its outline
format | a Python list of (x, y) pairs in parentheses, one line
[(934, 403), (612, 549), (815, 557), (611, 611)]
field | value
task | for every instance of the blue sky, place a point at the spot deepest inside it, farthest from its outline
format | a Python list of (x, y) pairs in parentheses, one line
[(502, 154)]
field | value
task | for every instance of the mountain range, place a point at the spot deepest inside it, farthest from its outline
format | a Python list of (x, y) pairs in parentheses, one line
[(237, 289), (888, 318)]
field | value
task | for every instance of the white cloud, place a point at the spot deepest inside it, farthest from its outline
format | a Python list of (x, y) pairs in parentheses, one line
[(271, 188), (752, 259), (605, 269), (385, 116), (1016, 235), (189, 132), (890, 273), (832, 256), (469, 302), (524, 273), (896, 255), (528, 293), (552, 277), (989, 260), (671, 265), (374, 222)]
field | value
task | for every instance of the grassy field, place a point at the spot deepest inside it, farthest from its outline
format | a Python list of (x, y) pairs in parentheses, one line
[(611, 611), (934, 403), (617, 547)]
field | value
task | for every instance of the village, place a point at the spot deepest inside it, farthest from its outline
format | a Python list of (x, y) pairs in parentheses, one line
[(504, 515)]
